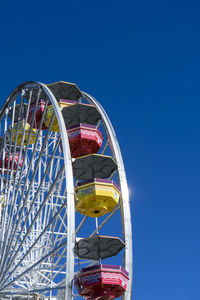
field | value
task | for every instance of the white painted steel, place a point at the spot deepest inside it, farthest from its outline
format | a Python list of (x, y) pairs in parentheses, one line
[(70, 196), (14, 266), (7, 259)]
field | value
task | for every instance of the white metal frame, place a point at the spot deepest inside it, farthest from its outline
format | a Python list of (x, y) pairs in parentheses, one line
[(71, 231)]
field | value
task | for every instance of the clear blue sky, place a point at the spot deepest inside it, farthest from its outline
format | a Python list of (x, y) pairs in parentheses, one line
[(141, 60)]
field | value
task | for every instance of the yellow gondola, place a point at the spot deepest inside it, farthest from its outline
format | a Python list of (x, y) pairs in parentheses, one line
[(96, 197), (20, 126), (2, 201), (49, 113)]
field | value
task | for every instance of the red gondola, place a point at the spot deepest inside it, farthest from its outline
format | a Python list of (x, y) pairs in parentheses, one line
[(38, 114), (102, 282), (84, 139), (5, 165)]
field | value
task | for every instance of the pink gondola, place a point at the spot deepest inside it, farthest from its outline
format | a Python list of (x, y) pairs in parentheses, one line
[(5, 164), (84, 139), (38, 114), (102, 282)]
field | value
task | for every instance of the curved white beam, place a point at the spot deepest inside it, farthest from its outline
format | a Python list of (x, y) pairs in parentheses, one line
[(70, 193)]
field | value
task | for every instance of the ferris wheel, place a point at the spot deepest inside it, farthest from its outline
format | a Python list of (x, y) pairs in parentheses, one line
[(65, 223)]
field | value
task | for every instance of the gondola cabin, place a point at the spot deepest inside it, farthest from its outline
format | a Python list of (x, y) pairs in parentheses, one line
[(6, 161), (21, 128), (84, 139), (50, 111), (38, 114), (96, 197), (102, 282)]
